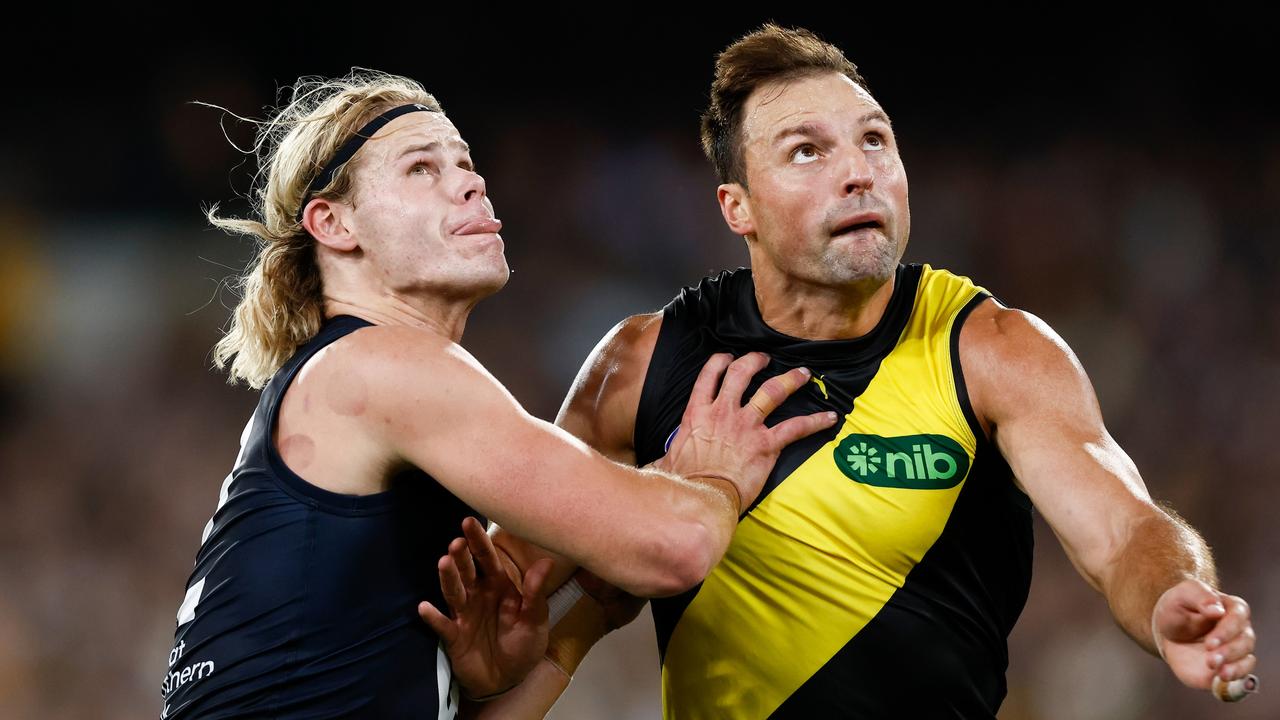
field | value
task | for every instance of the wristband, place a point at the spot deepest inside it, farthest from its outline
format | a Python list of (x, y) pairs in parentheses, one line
[(571, 639), (560, 602)]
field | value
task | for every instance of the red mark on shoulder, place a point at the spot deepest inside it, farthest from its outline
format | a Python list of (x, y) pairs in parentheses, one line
[(348, 396), (298, 452)]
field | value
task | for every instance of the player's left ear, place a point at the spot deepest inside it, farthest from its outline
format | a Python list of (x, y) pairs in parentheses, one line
[(327, 222), (735, 206)]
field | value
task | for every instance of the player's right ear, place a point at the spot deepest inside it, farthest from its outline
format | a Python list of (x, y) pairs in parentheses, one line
[(735, 206), (325, 220)]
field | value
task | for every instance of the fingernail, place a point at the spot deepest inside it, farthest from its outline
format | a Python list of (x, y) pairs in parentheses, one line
[(832, 416), (1217, 607), (1218, 659), (806, 372), (1213, 643)]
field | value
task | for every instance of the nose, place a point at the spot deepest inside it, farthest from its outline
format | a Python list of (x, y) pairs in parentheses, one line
[(858, 175), (470, 187)]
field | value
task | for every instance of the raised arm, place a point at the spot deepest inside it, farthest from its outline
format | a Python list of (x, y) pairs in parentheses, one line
[(1036, 402)]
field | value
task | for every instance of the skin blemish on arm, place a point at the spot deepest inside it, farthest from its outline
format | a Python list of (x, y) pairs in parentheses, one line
[(349, 397), (298, 451)]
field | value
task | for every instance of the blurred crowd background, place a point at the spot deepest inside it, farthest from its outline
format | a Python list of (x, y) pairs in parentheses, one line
[(1123, 185)]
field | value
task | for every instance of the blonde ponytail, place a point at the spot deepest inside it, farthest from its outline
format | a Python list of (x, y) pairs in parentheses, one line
[(281, 294)]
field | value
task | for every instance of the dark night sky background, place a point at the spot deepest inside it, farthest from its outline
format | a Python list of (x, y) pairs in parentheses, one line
[(1121, 179), (110, 132)]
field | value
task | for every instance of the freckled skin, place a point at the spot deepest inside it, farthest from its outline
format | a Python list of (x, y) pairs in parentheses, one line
[(403, 220)]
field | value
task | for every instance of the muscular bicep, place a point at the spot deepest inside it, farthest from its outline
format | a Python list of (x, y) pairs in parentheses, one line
[(601, 405), (1040, 408), (437, 409)]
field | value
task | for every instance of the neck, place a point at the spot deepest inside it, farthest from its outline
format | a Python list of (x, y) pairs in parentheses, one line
[(809, 311), (350, 288), (442, 316)]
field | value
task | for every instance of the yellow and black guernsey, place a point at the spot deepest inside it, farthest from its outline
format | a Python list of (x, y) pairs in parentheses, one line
[(881, 569)]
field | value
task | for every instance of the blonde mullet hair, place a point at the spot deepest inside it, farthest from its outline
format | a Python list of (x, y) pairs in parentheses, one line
[(281, 293)]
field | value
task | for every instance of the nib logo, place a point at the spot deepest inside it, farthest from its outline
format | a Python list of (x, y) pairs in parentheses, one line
[(863, 460), (911, 462)]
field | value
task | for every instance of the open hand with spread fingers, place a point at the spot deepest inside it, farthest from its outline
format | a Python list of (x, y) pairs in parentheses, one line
[(721, 437), (498, 631)]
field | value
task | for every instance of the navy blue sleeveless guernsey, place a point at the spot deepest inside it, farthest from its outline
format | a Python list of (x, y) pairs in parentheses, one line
[(303, 602)]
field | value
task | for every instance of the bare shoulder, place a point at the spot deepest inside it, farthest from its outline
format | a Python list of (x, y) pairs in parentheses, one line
[(1007, 337), (1015, 362), (601, 405), (335, 417), (624, 352), (389, 356), (388, 370)]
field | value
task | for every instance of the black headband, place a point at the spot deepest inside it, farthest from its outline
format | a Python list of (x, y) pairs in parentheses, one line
[(353, 144)]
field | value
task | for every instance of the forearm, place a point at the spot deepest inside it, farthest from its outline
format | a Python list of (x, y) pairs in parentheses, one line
[(648, 531), (661, 539), (700, 520), (532, 699), (1161, 551), (660, 536)]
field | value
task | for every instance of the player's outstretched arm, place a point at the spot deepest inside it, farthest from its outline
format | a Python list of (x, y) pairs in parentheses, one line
[(1033, 396), (651, 532)]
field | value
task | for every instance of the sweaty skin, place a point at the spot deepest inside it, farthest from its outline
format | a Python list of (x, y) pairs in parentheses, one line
[(820, 155), (412, 250)]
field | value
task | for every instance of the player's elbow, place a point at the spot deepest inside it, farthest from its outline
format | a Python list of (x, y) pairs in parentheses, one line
[(679, 559), (692, 553)]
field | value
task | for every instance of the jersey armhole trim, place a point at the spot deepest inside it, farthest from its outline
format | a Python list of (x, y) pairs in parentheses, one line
[(957, 371), (655, 379)]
